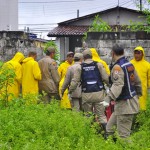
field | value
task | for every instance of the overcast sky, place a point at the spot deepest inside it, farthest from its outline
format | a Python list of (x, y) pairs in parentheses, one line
[(43, 15)]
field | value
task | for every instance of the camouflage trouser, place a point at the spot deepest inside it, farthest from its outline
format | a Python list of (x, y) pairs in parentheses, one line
[(123, 124), (91, 103), (97, 108), (46, 99), (76, 103)]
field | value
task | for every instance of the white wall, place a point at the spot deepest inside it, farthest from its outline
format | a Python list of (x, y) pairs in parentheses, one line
[(63, 46), (9, 15)]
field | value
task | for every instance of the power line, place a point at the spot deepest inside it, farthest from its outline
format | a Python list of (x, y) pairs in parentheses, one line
[(70, 11), (57, 1), (36, 8), (130, 4), (125, 3), (39, 24)]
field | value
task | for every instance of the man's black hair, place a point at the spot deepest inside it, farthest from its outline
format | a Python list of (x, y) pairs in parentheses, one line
[(32, 53), (47, 53), (118, 49)]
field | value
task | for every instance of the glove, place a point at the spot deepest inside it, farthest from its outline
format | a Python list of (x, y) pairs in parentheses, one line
[(105, 104), (69, 96), (106, 89)]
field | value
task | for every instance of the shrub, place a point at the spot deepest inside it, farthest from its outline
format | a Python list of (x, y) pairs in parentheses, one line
[(46, 127)]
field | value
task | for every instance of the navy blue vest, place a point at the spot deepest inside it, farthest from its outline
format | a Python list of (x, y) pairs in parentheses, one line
[(91, 78), (128, 90)]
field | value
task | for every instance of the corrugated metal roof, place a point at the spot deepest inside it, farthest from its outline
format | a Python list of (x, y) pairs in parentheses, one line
[(68, 31)]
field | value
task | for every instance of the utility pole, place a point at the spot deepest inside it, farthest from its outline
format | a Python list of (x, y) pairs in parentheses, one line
[(140, 5), (77, 13), (118, 15)]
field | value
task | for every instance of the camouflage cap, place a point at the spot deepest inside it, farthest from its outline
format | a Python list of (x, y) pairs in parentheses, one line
[(70, 54), (51, 49), (87, 52), (78, 55)]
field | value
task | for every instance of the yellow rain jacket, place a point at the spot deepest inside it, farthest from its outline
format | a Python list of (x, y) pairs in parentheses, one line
[(62, 70), (96, 57), (31, 75), (15, 64), (143, 69)]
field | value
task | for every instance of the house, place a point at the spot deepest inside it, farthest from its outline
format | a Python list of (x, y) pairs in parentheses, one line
[(69, 33)]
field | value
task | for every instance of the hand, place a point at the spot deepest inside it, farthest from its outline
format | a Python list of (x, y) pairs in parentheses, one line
[(105, 104), (69, 96), (106, 89)]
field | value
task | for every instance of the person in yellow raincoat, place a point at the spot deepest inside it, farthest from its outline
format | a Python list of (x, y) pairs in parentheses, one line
[(15, 63), (143, 69), (96, 57), (62, 70), (31, 74)]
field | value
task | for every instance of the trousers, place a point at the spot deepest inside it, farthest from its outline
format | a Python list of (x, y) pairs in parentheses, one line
[(122, 123)]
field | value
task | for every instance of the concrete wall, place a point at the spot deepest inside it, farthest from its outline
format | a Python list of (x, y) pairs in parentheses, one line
[(103, 42), (11, 42), (9, 15)]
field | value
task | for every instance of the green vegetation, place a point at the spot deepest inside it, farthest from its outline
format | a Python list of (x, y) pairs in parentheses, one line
[(49, 127), (7, 75), (141, 26), (98, 25)]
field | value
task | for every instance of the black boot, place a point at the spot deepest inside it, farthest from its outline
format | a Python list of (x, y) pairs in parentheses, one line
[(103, 126)]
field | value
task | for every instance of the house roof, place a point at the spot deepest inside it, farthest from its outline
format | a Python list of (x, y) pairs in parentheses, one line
[(68, 31), (100, 12)]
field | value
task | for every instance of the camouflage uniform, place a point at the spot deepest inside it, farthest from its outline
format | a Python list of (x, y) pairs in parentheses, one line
[(76, 95), (92, 98), (125, 109), (50, 78)]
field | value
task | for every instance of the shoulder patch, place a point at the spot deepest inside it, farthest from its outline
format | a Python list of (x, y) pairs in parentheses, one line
[(117, 69), (130, 68), (54, 63)]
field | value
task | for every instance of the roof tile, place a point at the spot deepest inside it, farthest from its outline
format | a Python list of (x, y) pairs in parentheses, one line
[(68, 30)]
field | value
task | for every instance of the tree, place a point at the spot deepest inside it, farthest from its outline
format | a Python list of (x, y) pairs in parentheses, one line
[(98, 25), (141, 26)]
